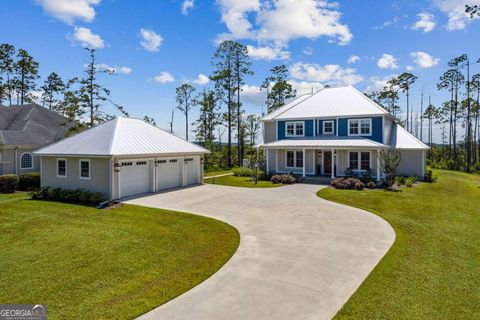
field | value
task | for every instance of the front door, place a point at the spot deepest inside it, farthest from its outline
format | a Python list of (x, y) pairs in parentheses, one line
[(327, 162)]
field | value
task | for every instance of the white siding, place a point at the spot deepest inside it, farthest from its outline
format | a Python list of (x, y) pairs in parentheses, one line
[(412, 163), (270, 132)]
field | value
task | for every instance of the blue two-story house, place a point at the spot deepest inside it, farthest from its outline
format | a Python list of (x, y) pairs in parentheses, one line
[(334, 131)]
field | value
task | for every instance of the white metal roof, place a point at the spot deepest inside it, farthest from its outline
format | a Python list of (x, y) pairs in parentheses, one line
[(325, 142), (122, 136), (329, 102), (286, 107), (402, 139)]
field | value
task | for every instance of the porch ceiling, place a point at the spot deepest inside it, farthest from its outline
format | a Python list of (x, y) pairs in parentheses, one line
[(331, 142)]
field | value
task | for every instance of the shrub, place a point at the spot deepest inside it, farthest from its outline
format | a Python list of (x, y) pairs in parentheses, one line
[(8, 183), (410, 181), (476, 167), (400, 180), (283, 178), (371, 185), (347, 183), (72, 196), (246, 172), (29, 181), (430, 176)]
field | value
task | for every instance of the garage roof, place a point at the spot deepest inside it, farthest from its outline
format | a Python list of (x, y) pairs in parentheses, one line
[(122, 137)]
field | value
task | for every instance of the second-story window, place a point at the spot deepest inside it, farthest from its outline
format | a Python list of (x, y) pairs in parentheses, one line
[(359, 127), (295, 129), (327, 127)]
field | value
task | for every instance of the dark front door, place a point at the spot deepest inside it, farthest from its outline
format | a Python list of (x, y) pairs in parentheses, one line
[(327, 162)]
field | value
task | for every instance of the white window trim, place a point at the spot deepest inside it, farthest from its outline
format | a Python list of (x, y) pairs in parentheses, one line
[(294, 159), (295, 123), (21, 162), (66, 168), (360, 127), (323, 127), (359, 165), (80, 169)]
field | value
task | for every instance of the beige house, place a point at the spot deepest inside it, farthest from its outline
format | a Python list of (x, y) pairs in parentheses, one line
[(121, 158), (24, 129)]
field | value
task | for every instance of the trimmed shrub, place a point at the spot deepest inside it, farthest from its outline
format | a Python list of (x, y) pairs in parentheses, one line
[(276, 178), (29, 181), (400, 180), (72, 196), (410, 181), (371, 185), (246, 172), (347, 183), (283, 178), (8, 183), (430, 176)]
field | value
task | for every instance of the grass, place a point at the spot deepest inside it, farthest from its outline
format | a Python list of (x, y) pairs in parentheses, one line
[(432, 270), (216, 173), (244, 182), (85, 263)]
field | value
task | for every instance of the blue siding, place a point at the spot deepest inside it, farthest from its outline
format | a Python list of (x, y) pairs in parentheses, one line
[(320, 126), (308, 128), (281, 128), (377, 128)]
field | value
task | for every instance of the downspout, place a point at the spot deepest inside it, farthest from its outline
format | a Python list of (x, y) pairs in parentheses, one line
[(15, 165)]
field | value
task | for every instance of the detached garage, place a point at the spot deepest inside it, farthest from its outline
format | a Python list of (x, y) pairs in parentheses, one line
[(121, 158)]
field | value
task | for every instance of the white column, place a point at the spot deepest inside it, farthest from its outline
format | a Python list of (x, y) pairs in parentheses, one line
[(304, 161), (276, 160), (333, 163), (267, 160), (314, 162), (378, 165)]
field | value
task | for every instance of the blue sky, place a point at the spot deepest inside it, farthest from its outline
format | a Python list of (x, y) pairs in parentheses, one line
[(157, 45)]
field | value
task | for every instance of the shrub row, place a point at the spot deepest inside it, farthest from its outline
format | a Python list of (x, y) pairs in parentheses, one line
[(283, 178), (24, 182), (245, 172), (348, 183), (73, 196), (407, 181)]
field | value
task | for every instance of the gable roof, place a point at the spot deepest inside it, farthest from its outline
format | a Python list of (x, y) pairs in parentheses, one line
[(329, 102), (31, 124), (122, 137), (402, 139)]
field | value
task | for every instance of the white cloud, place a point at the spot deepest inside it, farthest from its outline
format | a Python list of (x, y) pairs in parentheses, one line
[(426, 22), (329, 74), (424, 60), (308, 51), (187, 5), (114, 69), (409, 68), (267, 53), (151, 41), (304, 87), (353, 59), (87, 39), (388, 23), (69, 11), (376, 84), (164, 77), (283, 20), (455, 10), (387, 61), (201, 79)]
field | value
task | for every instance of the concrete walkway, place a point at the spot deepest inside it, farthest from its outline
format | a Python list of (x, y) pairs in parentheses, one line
[(219, 175), (300, 257)]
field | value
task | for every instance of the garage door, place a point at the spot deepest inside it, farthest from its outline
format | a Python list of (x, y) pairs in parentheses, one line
[(192, 170), (168, 173), (135, 177)]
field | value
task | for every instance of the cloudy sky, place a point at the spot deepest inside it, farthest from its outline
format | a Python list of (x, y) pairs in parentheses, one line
[(156, 45)]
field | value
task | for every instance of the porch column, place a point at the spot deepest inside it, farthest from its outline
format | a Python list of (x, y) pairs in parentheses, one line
[(333, 163), (378, 165), (267, 160), (276, 160), (304, 160)]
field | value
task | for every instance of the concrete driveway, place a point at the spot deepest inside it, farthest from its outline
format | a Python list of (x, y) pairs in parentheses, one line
[(300, 257)]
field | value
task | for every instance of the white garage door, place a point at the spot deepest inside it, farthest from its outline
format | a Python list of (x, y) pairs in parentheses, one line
[(135, 177), (192, 170), (168, 173)]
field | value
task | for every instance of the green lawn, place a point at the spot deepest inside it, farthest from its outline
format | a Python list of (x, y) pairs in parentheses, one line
[(245, 182), (432, 270), (216, 173), (85, 263)]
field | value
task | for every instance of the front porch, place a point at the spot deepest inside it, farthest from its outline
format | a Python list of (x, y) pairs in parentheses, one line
[(323, 162)]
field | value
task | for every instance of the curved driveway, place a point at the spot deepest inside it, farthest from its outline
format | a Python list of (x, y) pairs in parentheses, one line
[(300, 257)]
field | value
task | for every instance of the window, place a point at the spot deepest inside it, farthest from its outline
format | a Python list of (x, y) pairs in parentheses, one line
[(161, 161), (84, 169), (327, 127), (141, 163), (294, 159), (26, 161), (353, 160), (174, 160), (360, 127), (62, 168), (295, 129), (127, 164), (364, 160), (359, 160)]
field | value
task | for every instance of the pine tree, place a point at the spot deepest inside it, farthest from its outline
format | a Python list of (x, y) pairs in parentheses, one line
[(26, 72), (7, 68), (185, 102), (52, 86), (405, 81), (278, 89)]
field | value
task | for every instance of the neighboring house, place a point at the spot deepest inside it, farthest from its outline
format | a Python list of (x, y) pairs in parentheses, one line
[(122, 157), (24, 129), (336, 131)]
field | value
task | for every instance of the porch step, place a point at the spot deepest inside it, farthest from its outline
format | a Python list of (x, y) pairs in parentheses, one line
[(315, 180)]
